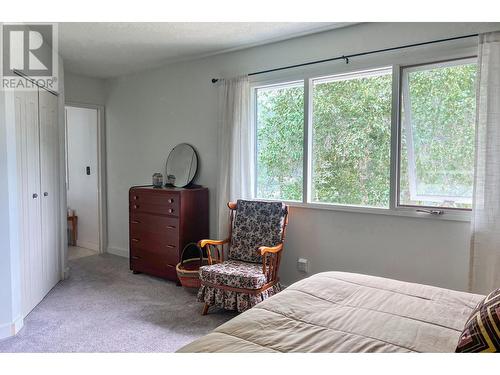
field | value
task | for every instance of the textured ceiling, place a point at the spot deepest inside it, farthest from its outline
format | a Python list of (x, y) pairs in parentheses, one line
[(112, 49)]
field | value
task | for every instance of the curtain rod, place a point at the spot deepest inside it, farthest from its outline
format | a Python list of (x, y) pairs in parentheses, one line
[(347, 57)]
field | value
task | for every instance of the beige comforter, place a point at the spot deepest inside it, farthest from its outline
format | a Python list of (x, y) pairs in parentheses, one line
[(345, 312)]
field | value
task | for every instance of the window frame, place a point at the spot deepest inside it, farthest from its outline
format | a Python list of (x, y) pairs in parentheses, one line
[(253, 121), (356, 74), (414, 68), (396, 61)]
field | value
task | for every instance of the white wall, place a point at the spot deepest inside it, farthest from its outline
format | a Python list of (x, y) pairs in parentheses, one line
[(84, 90), (150, 112)]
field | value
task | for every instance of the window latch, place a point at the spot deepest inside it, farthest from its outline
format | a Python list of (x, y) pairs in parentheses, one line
[(431, 212)]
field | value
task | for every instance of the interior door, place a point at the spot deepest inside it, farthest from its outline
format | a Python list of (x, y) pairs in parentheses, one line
[(49, 167), (28, 155)]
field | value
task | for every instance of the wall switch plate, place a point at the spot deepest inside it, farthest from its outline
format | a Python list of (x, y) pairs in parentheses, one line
[(302, 264)]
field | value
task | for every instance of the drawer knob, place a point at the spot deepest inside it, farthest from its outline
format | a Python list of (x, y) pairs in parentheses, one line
[(171, 246), (135, 222), (171, 200), (136, 197), (135, 257), (170, 210), (170, 226), (136, 206), (135, 240)]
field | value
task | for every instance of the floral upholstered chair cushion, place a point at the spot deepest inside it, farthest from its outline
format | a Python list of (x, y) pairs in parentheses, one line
[(256, 224), (234, 273)]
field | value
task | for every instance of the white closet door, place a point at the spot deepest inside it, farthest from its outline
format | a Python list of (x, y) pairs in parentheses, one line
[(49, 166), (27, 129)]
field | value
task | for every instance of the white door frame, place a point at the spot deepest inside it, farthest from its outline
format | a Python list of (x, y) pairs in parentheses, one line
[(101, 166)]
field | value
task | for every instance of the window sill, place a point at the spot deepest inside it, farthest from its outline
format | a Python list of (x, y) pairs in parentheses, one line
[(406, 212)]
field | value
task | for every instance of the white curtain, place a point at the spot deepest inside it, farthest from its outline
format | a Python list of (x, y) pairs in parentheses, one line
[(236, 145), (485, 239)]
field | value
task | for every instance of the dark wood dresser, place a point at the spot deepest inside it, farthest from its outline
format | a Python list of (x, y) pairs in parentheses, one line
[(161, 222)]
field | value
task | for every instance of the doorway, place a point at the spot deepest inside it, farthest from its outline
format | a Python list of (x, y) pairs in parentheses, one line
[(85, 180)]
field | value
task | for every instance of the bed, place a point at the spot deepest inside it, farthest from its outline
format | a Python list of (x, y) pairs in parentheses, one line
[(347, 312)]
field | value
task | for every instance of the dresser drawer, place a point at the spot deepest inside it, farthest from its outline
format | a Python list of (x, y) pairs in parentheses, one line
[(145, 240), (155, 255), (166, 209), (159, 269), (154, 202), (166, 225)]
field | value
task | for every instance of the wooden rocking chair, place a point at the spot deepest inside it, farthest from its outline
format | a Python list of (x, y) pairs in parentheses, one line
[(255, 244)]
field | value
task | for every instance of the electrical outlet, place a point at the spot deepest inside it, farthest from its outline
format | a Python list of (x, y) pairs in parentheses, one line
[(303, 265)]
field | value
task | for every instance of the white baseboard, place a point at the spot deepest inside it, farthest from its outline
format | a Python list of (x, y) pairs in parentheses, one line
[(117, 251), (87, 245), (11, 329)]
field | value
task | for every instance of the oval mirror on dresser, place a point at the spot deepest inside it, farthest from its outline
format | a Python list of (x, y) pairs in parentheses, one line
[(182, 165)]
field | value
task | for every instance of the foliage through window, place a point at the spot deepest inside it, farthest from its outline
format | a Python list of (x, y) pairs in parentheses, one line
[(280, 140), (351, 139), (437, 135)]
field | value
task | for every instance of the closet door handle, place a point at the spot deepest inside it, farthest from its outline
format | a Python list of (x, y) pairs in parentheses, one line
[(45, 194), (35, 195)]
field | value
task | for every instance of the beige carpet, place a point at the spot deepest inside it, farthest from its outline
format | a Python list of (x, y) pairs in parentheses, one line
[(103, 307), (75, 252)]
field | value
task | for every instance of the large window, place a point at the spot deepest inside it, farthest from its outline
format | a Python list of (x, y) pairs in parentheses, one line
[(339, 141), (280, 141), (351, 139), (437, 135)]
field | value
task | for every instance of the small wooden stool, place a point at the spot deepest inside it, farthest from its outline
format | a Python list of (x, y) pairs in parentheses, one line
[(74, 228)]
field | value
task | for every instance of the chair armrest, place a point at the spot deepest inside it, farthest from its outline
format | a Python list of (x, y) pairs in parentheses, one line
[(271, 249), (203, 243), (214, 245), (271, 265)]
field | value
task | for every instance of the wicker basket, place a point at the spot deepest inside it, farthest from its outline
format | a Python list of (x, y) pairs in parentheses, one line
[(192, 259)]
